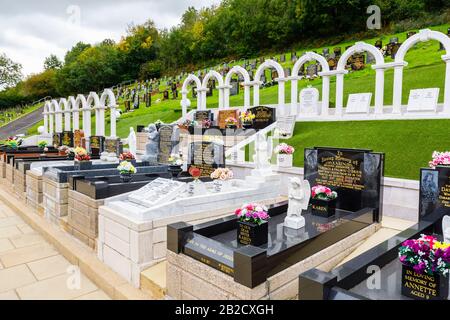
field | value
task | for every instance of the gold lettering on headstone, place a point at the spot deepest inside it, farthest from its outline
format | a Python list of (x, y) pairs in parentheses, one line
[(444, 195)]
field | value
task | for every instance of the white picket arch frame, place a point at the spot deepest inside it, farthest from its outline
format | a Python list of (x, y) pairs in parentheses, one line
[(307, 57), (422, 36), (86, 112), (108, 94), (93, 102), (270, 64), (379, 67), (48, 118), (184, 92), (219, 78), (58, 116), (75, 113), (64, 106), (246, 83)]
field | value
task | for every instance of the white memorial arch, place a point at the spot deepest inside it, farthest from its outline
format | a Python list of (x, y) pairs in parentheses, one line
[(400, 63), (379, 67), (246, 83), (48, 118), (86, 112), (108, 95), (325, 74), (269, 64), (66, 110), (204, 88), (75, 113), (58, 116), (93, 102), (184, 92)]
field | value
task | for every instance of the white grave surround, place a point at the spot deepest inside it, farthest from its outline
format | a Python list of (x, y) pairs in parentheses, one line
[(423, 100), (132, 236), (309, 101), (359, 103)]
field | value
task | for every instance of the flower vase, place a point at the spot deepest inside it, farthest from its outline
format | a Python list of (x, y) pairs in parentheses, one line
[(323, 208), (247, 125), (423, 286), (249, 233), (284, 160), (175, 170), (126, 177)]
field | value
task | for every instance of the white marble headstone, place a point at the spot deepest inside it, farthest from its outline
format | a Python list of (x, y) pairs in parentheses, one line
[(359, 103), (309, 101), (286, 125), (423, 99), (158, 191)]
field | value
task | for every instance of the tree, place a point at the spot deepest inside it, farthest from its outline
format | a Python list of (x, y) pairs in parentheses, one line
[(40, 85), (76, 50), (10, 72), (52, 62)]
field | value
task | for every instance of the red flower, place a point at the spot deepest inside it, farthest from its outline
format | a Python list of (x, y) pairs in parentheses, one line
[(195, 172)]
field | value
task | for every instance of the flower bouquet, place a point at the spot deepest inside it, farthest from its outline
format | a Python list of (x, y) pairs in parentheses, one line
[(221, 175), (425, 267), (82, 159), (439, 159), (247, 118), (284, 155), (126, 169), (188, 125), (127, 156), (323, 201), (231, 123), (206, 123), (195, 187), (252, 224)]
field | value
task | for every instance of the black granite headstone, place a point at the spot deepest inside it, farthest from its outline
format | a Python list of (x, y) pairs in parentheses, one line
[(113, 146), (57, 139), (199, 116), (67, 139), (354, 174), (96, 145), (264, 116), (206, 156), (434, 191)]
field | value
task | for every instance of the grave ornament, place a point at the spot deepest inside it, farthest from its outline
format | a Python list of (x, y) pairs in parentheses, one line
[(299, 194), (446, 228), (152, 147), (132, 141)]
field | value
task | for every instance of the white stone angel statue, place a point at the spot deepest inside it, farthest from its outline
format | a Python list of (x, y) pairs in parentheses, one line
[(299, 194)]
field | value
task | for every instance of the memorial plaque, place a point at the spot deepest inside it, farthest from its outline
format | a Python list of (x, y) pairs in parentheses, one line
[(354, 174), (78, 136), (207, 156), (264, 116), (96, 145), (158, 191), (114, 146), (359, 103), (67, 139), (165, 143), (309, 100), (57, 139), (224, 114), (423, 99), (434, 195), (199, 116)]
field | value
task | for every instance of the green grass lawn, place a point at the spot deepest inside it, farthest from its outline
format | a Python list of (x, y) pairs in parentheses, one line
[(408, 144)]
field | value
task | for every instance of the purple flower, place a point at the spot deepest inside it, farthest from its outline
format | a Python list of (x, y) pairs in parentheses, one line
[(419, 268)]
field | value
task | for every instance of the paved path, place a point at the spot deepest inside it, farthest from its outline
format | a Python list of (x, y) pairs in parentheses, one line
[(32, 269), (22, 124)]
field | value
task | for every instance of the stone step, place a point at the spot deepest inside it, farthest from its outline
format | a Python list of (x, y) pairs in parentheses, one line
[(153, 280)]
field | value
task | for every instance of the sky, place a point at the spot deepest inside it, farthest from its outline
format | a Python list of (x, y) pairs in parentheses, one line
[(31, 30)]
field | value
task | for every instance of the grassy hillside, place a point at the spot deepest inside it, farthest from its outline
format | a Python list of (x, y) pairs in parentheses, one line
[(408, 144)]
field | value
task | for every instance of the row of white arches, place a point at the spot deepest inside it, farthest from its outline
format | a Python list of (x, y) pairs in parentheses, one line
[(70, 109), (224, 83)]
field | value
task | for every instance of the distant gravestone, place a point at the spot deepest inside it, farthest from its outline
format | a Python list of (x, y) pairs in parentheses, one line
[(325, 52), (309, 99), (234, 87), (332, 63), (370, 58), (358, 61), (287, 72), (264, 116), (337, 52), (423, 100), (359, 103), (165, 143), (56, 140), (207, 156), (311, 71), (283, 58), (202, 115)]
